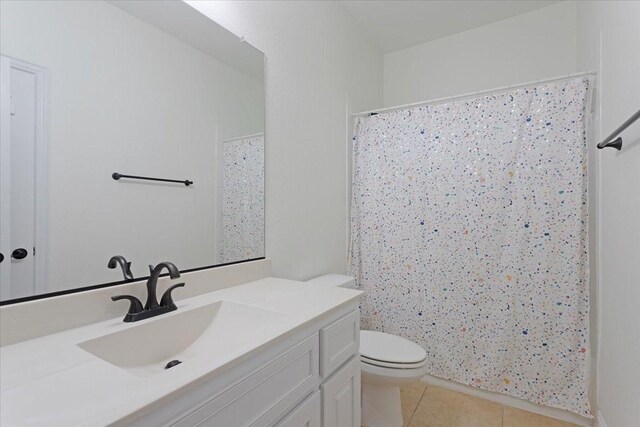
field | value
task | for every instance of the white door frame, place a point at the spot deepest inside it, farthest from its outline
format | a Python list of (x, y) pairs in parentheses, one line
[(41, 143)]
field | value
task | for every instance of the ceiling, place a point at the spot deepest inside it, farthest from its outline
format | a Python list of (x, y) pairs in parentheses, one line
[(395, 25)]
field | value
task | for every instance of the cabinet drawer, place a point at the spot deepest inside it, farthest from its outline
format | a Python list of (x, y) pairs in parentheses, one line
[(307, 414), (338, 342), (265, 393)]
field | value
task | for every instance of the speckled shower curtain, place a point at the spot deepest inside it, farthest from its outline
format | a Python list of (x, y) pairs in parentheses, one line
[(469, 237), (242, 199)]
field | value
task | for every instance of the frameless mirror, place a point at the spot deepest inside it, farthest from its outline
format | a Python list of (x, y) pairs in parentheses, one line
[(131, 128)]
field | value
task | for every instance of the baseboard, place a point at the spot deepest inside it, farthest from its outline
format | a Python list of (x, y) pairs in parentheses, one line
[(599, 420), (515, 402)]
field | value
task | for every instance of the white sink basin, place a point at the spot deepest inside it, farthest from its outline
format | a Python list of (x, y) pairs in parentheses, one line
[(212, 331)]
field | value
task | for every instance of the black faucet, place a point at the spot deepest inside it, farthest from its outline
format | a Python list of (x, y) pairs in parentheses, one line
[(152, 307)]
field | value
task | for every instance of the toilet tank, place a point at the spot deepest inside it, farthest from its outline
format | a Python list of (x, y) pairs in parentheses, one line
[(337, 280)]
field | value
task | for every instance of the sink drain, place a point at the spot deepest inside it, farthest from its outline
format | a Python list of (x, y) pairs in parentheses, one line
[(172, 364)]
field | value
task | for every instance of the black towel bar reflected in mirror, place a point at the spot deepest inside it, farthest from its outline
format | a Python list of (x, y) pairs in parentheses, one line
[(117, 176)]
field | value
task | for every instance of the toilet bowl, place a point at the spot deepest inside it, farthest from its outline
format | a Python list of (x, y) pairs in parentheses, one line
[(386, 362)]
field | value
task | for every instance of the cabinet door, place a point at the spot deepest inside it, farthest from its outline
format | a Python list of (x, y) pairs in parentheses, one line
[(307, 414), (341, 396)]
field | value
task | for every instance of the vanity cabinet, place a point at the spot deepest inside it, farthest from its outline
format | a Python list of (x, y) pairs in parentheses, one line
[(309, 379)]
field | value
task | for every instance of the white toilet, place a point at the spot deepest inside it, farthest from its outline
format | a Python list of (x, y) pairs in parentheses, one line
[(386, 362)]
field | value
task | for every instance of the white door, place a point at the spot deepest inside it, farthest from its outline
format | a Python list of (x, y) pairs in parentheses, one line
[(19, 145)]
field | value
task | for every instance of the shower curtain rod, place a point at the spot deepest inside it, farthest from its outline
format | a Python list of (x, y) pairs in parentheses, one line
[(472, 94)]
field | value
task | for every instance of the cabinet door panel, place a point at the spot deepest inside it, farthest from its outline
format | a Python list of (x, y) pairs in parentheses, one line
[(341, 397)]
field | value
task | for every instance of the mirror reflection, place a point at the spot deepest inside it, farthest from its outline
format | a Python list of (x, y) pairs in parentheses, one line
[(96, 96)]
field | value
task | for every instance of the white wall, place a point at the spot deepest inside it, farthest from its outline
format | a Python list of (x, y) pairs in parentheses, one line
[(127, 97), (609, 41), (314, 57), (532, 46)]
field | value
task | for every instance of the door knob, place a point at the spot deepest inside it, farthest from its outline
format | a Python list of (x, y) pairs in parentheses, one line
[(1, 257), (19, 253)]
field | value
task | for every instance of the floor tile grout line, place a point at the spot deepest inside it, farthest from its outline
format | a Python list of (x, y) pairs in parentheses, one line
[(413, 413)]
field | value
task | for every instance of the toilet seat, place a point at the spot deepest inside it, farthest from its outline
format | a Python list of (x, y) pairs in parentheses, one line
[(392, 365), (390, 351)]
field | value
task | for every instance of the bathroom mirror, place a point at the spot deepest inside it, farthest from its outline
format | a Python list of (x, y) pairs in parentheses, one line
[(99, 94)]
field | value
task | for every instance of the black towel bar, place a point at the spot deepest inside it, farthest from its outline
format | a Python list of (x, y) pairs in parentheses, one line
[(117, 176)]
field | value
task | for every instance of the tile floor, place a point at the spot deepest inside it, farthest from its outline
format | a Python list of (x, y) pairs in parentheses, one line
[(425, 405)]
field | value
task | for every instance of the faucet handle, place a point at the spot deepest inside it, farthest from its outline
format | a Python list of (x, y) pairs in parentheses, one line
[(166, 300), (124, 265), (134, 308)]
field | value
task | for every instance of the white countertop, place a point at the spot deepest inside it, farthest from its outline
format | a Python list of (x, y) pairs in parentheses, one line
[(51, 381)]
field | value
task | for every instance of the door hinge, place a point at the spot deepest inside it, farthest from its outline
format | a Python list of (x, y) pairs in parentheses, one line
[(34, 251)]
